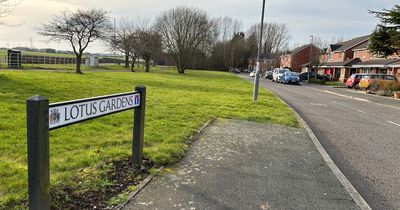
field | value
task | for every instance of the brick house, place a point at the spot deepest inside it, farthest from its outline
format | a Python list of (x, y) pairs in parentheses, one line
[(298, 57), (340, 57), (265, 64), (373, 64)]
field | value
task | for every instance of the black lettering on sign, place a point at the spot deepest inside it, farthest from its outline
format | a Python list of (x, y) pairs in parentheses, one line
[(66, 117), (102, 107), (74, 112)]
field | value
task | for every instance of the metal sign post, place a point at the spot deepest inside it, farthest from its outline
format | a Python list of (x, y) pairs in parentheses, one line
[(43, 117)]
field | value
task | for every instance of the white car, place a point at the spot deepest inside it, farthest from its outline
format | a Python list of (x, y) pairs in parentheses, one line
[(277, 75)]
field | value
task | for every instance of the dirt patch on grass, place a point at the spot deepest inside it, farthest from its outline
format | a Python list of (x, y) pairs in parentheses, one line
[(120, 175)]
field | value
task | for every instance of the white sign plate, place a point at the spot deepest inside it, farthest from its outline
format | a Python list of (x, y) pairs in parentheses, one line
[(69, 112)]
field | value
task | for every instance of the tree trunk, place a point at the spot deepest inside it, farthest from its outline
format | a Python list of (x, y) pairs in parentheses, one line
[(133, 65), (147, 65), (181, 70), (78, 64), (126, 60)]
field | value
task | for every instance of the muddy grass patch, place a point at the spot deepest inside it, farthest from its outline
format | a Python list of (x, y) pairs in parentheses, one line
[(118, 178)]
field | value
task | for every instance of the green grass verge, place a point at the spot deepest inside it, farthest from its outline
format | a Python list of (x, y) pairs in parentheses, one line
[(177, 106), (334, 84)]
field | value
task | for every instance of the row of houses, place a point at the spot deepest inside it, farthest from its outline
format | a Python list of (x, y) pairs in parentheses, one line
[(338, 61)]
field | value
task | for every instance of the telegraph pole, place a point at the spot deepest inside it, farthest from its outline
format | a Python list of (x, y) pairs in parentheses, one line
[(256, 78)]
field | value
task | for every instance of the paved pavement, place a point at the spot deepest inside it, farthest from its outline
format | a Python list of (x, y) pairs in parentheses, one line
[(360, 132), (247, 165)]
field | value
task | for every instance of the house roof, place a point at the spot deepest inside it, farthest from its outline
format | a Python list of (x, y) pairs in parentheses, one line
[(298, 49), (342, 46), (346, 63), (362, 46), (377, 62), (305, 65), (394, 64)]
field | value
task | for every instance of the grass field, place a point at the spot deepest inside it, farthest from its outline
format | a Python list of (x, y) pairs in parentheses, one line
[(177, 105)]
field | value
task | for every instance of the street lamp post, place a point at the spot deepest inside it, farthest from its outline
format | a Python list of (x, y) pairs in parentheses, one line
[(256, 78), (309, 64)]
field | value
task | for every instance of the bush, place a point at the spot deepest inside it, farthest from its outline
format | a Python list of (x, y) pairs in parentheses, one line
[(317, 81), (383, 88)]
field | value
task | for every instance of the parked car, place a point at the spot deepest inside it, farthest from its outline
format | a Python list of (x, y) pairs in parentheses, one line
[(368, 79), (290, 78), (277, 75), (303, 76), (268, 75), (234, 70), (353, 80)]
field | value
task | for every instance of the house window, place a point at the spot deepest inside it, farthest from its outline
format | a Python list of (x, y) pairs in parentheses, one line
[(355, 54)]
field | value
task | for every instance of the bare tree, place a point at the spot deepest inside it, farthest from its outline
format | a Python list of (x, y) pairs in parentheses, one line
[(79, 28), (121, 41), (227, 28), (184, 31), (275, 38), (148, 42), (6, 7)]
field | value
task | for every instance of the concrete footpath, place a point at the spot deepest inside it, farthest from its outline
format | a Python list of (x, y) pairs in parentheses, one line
[(247, 165)]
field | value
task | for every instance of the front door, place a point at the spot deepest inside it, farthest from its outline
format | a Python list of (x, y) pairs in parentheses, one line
[(337, 74)]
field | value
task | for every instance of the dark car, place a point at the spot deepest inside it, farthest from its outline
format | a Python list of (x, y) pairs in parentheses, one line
[(268, 75), (303, 76), (353, 80)]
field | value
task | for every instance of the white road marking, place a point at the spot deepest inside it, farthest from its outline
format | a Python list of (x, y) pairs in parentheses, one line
[(358, 110), (317, 104), (355, 98), (393, 123), (360, 99)]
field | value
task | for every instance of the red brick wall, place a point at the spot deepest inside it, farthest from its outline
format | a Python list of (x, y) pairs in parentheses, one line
[(303, 57)]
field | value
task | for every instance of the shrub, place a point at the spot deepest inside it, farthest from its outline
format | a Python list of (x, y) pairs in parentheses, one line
[(383, 88), (317, 81)]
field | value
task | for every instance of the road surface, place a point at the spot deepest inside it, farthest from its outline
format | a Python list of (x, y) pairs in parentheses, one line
[(360, 132)]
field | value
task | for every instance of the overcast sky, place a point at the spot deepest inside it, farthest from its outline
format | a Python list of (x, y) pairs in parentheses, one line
[(325, 18)]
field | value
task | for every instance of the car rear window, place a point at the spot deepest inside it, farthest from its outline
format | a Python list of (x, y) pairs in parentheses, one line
[(389, 77), (372, 76)]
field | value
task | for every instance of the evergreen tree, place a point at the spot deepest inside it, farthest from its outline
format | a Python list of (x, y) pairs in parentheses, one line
[(385, 40)]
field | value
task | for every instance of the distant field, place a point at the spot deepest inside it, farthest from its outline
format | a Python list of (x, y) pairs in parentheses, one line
[(177, 105)]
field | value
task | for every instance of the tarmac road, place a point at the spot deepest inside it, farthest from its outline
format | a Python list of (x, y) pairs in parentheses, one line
[(360, 132)]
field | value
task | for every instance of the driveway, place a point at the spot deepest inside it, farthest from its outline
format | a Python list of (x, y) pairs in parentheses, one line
[(361, 133)]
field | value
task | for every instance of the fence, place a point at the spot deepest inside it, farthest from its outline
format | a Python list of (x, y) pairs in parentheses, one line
[(21, 61)]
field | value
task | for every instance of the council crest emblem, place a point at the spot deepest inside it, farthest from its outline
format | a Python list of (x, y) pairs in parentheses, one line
[(54, 116)]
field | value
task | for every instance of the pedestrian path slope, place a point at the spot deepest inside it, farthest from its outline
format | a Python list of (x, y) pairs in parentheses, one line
[(246, 165)]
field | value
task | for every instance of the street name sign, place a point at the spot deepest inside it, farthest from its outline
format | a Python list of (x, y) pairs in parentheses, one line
[(69, 112), (43, 117)]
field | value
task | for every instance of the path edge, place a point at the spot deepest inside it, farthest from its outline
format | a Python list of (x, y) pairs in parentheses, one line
[(150, 177), (328, 160)]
